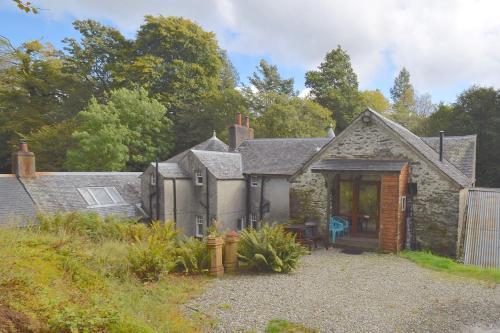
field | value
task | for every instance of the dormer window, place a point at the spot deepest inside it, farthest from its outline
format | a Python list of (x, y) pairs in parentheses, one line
[(254, 181), (198, 178)]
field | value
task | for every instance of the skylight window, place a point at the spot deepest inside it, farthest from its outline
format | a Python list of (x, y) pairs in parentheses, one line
[(101, 196)]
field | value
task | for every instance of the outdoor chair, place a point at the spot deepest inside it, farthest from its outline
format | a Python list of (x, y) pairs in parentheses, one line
[(338, 227)]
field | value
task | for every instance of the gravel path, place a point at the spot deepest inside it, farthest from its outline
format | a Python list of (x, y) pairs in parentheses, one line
[(336, 292)]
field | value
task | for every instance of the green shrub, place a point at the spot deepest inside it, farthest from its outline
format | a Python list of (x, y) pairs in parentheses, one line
[(192, 256), (269, 249), (150, 258)]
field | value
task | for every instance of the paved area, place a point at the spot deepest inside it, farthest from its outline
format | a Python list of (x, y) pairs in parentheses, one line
[(336, 292)]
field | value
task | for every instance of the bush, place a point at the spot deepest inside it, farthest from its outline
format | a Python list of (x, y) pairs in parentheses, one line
[(269, 249), (154, 256), (192, 256)]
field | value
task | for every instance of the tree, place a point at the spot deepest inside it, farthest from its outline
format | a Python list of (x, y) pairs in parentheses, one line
[(266, 79), (34, 92), (177, 61), (26, 6), (335, 86), (403, 99), (99, 57), (125, 133), (293, 117), (376, 100)]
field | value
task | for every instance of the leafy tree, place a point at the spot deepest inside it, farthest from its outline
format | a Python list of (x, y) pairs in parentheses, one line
[(51, 143), (183, 58), (34, 92), (214, 113), (125, 133), (26, 6), (403, 98), (292, 117), (266, 79), (98, 58), (229, 77), (376, 100), (335, 86)]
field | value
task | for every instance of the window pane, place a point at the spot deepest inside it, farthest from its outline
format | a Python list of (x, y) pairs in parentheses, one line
[(102, 196), (115, 195), (87, 196)]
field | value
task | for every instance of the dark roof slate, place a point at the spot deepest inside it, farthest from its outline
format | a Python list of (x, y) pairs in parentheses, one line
[(357, 165), (423, 148), (16, 206), (459, 150), (222, 165), (171, 170), (57, 191), (279, 156), (212, 144)]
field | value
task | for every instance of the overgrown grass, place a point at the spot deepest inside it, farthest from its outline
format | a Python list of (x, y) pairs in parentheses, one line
[(284, 326), (442, 264), (59, 277)]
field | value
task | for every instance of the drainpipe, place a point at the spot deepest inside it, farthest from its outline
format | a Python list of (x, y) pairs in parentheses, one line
[(247, 207), (441, 138), (208, 199), (157, 176), (261, 206), (175, 200)]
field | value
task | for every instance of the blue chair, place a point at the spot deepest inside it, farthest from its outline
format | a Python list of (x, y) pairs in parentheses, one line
[(338, 227), (346, 223)]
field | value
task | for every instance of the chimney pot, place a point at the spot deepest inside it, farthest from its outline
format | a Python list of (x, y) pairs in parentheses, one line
[(23, 146), (238, 119), (247, 121)]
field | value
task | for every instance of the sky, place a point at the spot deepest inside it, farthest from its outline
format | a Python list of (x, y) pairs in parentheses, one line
[(446, 45)]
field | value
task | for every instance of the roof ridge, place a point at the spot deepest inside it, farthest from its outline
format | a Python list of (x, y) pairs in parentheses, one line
[(450, 136), (441, 165), (285, 139)]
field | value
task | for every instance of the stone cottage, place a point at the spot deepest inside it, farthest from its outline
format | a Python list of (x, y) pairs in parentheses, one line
[(395, 188)]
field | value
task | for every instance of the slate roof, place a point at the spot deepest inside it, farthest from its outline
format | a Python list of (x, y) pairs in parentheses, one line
[(222, 165), (171, 170), (57, 191), (459, 150), (212, 144), (357, 165), (15, 203), (278, 156), (423, 148)]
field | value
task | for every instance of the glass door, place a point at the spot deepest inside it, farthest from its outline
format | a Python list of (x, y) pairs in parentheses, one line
[(368, 208)]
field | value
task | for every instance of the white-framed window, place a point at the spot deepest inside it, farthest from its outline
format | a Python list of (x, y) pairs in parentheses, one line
[(199, 225), (403, 203), (254, 181), (253, 220), (198, 178), (153, 178), (241, 223), (101, 196)]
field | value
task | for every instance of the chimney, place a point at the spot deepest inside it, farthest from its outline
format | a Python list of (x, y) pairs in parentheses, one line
[(441, 139), (238, 133), (23, 161)]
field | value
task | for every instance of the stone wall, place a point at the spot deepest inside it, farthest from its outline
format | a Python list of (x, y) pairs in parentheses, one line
[(308, 197), (435, 207)]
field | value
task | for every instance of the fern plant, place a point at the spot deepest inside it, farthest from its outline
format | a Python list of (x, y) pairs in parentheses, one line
[(192, 256), (269, 249)]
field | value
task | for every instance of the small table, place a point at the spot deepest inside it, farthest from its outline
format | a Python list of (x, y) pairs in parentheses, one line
[(304, 234)]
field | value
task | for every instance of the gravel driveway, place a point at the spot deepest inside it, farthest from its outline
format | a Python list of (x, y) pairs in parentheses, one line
[(336, 292)]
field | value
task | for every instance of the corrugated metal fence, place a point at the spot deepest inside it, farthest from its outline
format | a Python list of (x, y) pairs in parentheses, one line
[(482, 228)]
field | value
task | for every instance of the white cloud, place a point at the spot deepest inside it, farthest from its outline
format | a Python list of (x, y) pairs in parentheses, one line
[(442, 43)]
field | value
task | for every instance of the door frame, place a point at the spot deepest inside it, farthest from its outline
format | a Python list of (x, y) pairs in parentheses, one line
[(355, 183)]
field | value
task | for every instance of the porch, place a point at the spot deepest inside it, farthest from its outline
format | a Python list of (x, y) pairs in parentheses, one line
[(370, 198)]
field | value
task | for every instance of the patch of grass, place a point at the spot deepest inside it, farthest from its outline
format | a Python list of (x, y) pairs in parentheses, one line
[(443, 264), (63, 278), (284, 326)]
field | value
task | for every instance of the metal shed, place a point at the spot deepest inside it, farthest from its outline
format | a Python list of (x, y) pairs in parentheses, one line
[(481, 228)]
